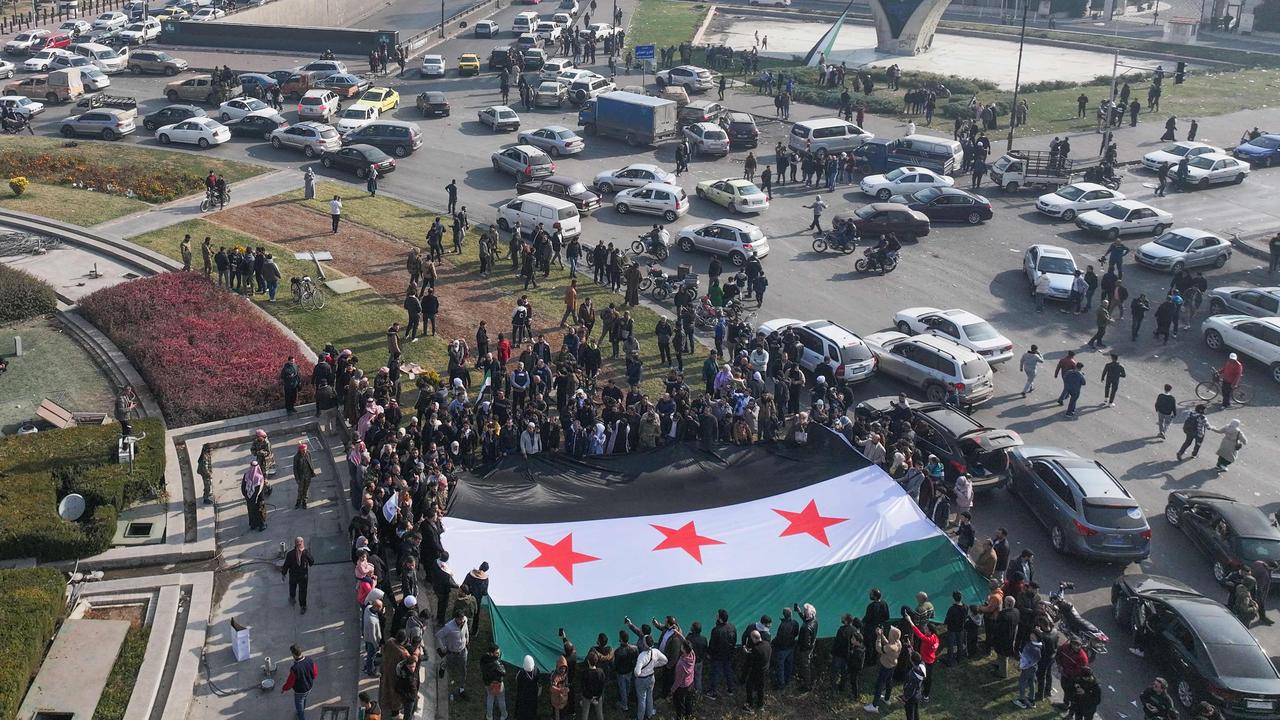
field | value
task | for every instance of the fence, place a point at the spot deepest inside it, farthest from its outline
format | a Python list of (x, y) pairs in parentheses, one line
[(52, 13)]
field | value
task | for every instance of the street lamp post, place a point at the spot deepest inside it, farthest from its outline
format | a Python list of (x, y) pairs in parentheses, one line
[(1017, 76), (441, 18)]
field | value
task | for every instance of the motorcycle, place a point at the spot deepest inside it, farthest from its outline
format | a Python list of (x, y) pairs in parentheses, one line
[(660, 284), (1072, 624), (870, 263), (645, 245), (1104, 176), (842, 244), (16, 125)]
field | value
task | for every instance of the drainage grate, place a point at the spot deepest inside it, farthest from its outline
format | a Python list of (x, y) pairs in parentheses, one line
[(334, 712), (54, 716), (138, 529)]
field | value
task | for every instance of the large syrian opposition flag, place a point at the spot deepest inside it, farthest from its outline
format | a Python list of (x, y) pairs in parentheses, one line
[(677, 531)]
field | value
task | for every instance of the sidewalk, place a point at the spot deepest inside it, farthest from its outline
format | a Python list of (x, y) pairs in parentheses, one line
[(188, 208)]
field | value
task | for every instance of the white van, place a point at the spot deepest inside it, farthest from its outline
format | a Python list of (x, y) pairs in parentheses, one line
[(931, 147), (826, 135), (106, 59), (523, 23), (529, 210), (552, 68)]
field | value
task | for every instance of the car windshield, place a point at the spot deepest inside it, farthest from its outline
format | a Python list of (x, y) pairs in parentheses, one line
[(1240, 661), (355, 113), (1056, 265), (1204, 162), (1258, 549), (576, 188), (1115, 211), (748, 189), (1070, 192), (136, 27), (980, 331), (565, 134), (1178, 150), (506, 114), (1268, 143), (1109, 516), (894, 174), (1174, 241)]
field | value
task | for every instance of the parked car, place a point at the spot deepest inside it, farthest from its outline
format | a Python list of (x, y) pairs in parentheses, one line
[(110, 21), (1257, 338), (600, 31), (1233, 534), (258, 126), (932, 365), (257, 83), (22, 105), (385, 99), (1071, 200), (633, 175), (555, 139), (106, 123), (548, 32), (669, 201), (312, 138), (959, 326), (24, 42), (319, 104), (487, 29), (700, 111), (433, 103), (884, 218), (563, 187), (523, 161), (208, 14), (237, 108), (396, 137), (201, 88), (1255, 301), (964, 445), (63, 62), (1174, 152), (1201, 645), (499, 117), (344, 85), (76, 28), (850, 359), (738, 195), (295, 85), (734, 239), (41, 61), (468, 64), (1083, 506), (432, 66), (1215, 168), (903, 181), (691, 77), (171, 114), (1262, 151), (741, 128), (947, 204), (500, 58), (549, 94), (141, 31), (707, 139), (1057, 262), (356, 117), (1183, 248), (200, 131), (1125, 217), (358, 159), (322, 69), (586, 87)]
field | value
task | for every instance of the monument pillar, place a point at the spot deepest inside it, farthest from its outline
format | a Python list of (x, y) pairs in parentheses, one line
[(906, 27)]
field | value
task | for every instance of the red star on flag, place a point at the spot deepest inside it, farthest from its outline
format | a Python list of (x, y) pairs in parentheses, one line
[(685, 538), (808, 522), (560, 556)]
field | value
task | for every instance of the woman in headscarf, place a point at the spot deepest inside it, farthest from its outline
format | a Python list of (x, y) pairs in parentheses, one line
[(964, 495), (1233, 440), (598, 440), (723, 382), (527, 689), (357, 460), (253, 486)]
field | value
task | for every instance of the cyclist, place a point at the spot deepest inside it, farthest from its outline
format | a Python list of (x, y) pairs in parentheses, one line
[(1230, 373)]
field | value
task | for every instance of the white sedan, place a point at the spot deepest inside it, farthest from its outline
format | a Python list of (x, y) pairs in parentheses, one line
[(634, 175), (208, 14), (1209, 168), (110, 21), (22, 105), (556, 140), (1258, 338), (356, 117), (737, 194), (240, 107), (1071, 200), (902, 181), (6, 69), (1174, 152), (1054, 262), (40, 61), (432, 66), (1125, 217), (958, 326), (202, 131)]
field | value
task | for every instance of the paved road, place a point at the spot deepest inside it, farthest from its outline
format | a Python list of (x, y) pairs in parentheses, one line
[(972, 267)]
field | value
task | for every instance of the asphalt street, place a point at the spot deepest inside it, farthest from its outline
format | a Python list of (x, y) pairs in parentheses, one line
[(973, 267)]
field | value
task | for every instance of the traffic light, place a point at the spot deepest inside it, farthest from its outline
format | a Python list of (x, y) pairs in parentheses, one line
[(1180, 74)]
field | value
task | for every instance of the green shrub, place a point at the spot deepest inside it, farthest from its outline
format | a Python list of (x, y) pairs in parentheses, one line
[(23, 295), (37, 470), (31, 606)]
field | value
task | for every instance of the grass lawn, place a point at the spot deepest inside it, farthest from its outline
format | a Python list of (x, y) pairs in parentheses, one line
[(409, 222), (70, 205), (356, 320), (115, 154), (115, 696), (52, 366), (664, 23)]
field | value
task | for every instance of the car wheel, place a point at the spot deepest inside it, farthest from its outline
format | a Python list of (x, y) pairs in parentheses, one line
[(554, 151), (164, 139), (606, 188), (622, 208), (1011, 187), (135, 69), (326, 161), (1178, 267), (275, 142), (51, 98), (309, 151), (401, 151), (1118, 610), (1217, 307), (1213, 339), (686, 245), (661, 81), (1158, 230), (935, 393), (1113, 234), (266, 136), (904, 327), (883, 195), (1186, 695), (496, 166), (974, 218), (669, 216), (108, 134), (1171, 515), (1068, 215), (737, 258), (1222, 260), (503, 225), (1266, 162), (1057, 539), (1239, 178), (172, 95), (1275, 372), (171, 71), (68, 131), (361, 172), (1204, 183)]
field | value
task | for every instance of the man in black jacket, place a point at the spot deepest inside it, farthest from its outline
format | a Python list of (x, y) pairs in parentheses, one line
[(297, 566), (877, 614), (442, 583), (758, 652), (805, 643), (784, 648), (724, 640)]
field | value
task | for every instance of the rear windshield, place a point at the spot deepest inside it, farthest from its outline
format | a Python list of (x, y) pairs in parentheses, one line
[(539, 160), (799, 132), (328, 133), (1108, 516), (976, 368), (565, 213), (714, 135), (855, 353), (980, 331), (312, 101), (1241, 661)]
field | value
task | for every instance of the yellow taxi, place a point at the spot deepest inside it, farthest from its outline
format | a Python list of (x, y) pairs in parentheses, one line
[(469, 64), (385, 99)]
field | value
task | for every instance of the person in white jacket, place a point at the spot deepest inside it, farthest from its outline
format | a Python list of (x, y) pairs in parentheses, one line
[(530, 441), (647, 663), (371, 633)]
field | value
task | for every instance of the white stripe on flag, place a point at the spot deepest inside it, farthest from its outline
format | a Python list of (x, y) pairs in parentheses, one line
[(865, 512)]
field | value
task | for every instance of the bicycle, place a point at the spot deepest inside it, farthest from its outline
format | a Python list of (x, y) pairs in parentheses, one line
[(1210, 389), (212, 200), (306, 293)]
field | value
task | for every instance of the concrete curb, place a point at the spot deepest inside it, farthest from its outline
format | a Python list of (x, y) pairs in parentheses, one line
[(1253, 246), (706, 22)]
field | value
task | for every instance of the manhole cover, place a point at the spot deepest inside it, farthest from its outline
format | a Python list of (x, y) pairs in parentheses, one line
[(334, 712)]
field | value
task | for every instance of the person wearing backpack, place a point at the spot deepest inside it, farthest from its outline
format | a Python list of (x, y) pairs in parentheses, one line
[(1194, 427)]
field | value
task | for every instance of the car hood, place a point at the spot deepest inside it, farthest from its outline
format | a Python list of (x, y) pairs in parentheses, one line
[(777, 324), (881, 404), (1054, 200), (1061, 282), (1156, 250), (1160, 156), (991, 439), (871, 180), (1095, 217), (1247, 149)]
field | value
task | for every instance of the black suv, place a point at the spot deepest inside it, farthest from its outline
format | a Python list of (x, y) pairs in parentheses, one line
[(964, 445), (171, 114), (501, 58), (393, 136), (741, 128)]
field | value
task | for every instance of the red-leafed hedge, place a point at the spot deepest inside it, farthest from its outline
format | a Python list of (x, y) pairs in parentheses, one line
[(207, 354)]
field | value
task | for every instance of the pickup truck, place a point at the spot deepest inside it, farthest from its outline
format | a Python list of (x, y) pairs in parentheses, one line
[(1022, 168), (636, 119), (117, 102), (201, 88)]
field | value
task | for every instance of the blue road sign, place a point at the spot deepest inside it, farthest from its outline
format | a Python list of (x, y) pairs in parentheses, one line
[(645, 52)]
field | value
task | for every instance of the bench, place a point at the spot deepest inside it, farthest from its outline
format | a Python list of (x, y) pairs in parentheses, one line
[(60, 417)]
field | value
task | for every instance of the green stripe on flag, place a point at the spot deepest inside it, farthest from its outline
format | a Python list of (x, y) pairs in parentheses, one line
[(933, 565)]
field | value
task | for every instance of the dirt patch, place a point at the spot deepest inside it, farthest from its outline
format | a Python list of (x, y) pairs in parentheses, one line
[(134, 614), (379, 259)]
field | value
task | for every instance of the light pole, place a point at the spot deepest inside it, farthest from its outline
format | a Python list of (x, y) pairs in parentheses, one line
[(441, 18), (1017, 76)]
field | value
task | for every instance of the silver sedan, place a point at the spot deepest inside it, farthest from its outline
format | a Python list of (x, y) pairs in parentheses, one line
[(557, 140)]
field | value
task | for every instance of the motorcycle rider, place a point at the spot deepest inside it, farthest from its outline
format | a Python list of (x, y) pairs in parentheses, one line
[(658, 236), (845, 233), (887, 245), (14, 121)]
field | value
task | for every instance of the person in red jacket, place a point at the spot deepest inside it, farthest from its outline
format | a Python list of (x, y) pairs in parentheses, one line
[(1231, 372), (928, 641), (302, 677), (1072, 661)]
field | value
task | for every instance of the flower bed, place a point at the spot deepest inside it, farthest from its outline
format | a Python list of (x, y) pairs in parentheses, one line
[(23, 295), (206, 354), (133, 181)]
